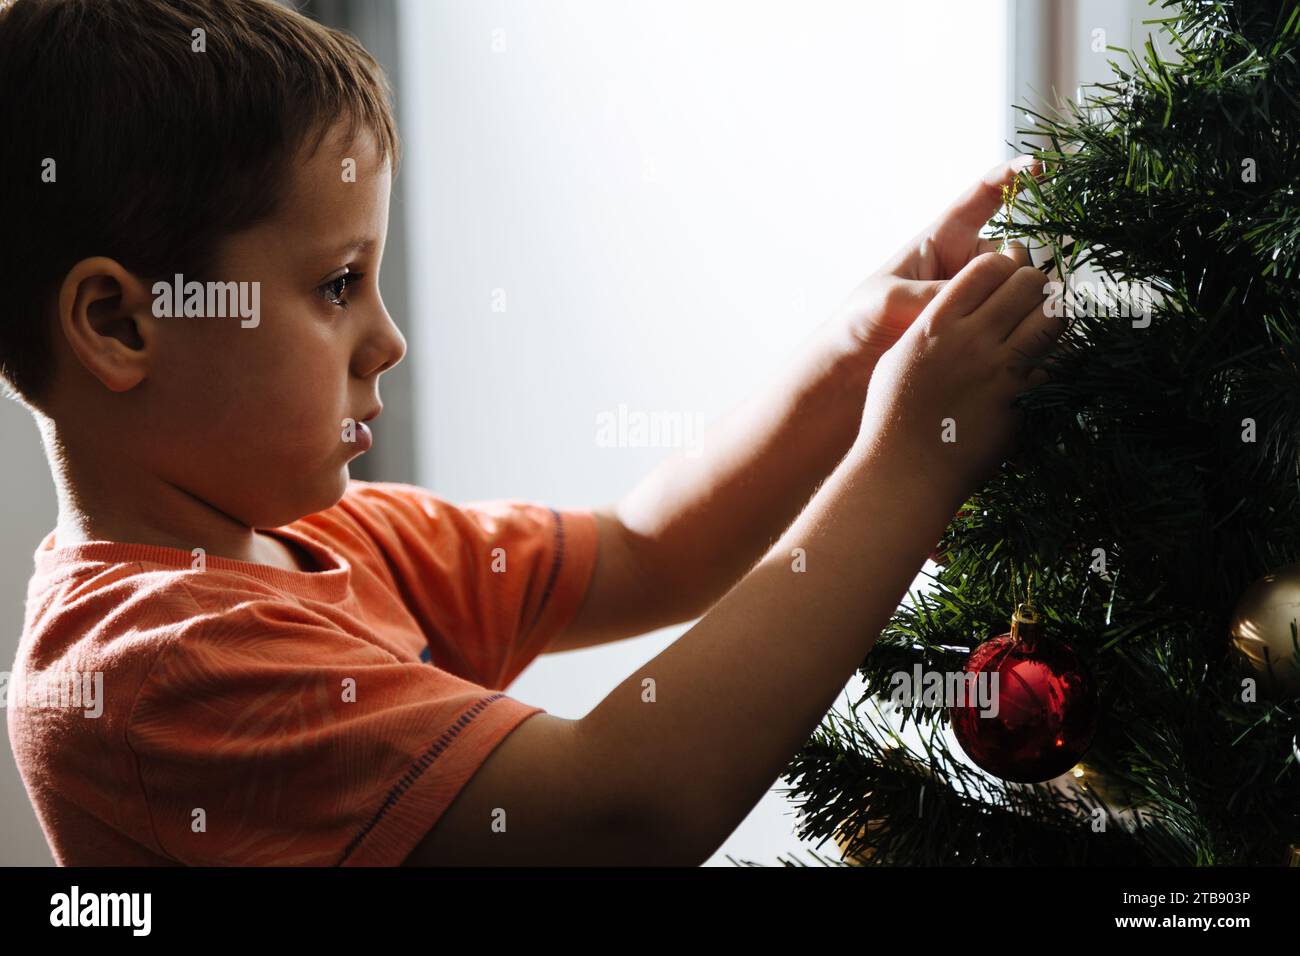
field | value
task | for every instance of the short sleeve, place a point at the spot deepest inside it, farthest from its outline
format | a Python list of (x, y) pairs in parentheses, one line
[(490, 583), (279, 740)]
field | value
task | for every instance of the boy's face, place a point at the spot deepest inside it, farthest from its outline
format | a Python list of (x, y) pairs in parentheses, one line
[(253, 419)]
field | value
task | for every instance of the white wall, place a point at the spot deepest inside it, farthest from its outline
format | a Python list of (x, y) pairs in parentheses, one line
[(671, 196), (27, 513)]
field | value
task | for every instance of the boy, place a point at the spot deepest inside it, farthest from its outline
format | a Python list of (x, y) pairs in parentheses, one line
[(290, 667)]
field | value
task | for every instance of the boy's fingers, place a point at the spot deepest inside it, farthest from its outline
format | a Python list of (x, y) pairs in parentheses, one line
[(905, 299), (917, 293), (1017, 252), (1037, 333), (1037, 376), (978, 204), (1007, 308), (980, 278)]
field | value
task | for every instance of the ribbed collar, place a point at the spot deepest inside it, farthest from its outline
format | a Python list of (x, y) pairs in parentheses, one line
[(330, 584)]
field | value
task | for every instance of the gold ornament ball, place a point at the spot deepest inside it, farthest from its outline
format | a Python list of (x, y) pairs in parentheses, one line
[(1262, 627), (865, 856), (1082, 778), (1099, 791)]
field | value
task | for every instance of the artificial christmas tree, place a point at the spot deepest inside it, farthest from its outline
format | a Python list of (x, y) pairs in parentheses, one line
[(1157, 479)]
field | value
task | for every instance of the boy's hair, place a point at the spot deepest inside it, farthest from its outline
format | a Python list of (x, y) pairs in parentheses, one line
[(122, 140)]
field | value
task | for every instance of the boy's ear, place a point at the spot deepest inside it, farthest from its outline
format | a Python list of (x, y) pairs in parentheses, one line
[(106, 314)]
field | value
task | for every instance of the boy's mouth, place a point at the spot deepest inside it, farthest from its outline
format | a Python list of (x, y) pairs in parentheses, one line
[(362, 438)]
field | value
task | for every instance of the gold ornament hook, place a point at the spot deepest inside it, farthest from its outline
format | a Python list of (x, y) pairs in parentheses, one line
[(1009, 192), (1026, 622)]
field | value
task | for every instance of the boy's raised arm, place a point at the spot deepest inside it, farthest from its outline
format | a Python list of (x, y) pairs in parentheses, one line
[(686, 533), (667, 765)]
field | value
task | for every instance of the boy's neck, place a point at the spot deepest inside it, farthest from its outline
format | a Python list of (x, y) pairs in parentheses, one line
[(119, 504)]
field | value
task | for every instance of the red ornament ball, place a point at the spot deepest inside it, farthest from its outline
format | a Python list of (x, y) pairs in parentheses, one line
[(1042, 714)]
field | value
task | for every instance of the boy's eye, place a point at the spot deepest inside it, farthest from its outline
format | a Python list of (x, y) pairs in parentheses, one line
[(333, 290)]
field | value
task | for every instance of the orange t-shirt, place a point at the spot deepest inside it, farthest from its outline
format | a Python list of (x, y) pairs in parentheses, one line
[(241, 714)]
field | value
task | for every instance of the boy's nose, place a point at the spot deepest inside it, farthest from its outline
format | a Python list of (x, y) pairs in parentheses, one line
[(395, 347), (383, 351)]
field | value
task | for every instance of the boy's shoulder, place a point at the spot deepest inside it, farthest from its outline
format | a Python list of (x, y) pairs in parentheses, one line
[(94, 613), (365, 502), (395, 521), (371, 514), (109, 600)]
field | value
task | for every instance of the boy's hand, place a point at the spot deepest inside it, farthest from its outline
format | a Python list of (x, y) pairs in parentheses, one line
[(889, 300), (940, 403)]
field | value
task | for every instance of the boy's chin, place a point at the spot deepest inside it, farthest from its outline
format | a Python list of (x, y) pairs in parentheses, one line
[(321, 495), (334, 490)]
